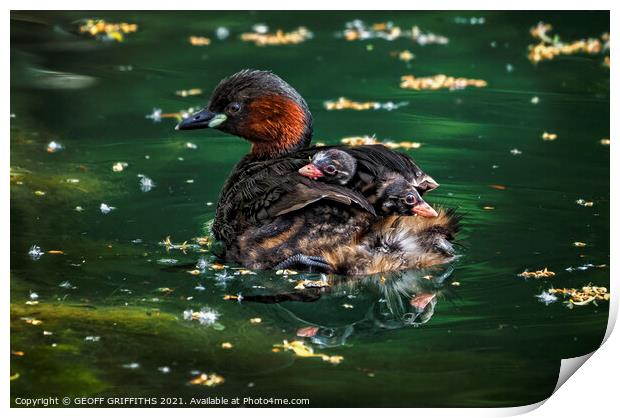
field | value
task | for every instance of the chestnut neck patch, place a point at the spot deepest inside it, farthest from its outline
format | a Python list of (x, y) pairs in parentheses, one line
[(275, 125)]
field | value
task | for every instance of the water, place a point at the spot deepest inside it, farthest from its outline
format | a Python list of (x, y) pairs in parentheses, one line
[(487, 342)]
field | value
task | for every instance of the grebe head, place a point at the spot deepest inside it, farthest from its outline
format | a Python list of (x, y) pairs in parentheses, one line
[(331, 166), (399, 196), (260, 107)]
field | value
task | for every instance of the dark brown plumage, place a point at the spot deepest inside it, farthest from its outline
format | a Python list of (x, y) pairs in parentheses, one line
[(268, 215)]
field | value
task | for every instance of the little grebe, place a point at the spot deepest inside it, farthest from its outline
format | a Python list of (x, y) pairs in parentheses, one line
[(268, 215)]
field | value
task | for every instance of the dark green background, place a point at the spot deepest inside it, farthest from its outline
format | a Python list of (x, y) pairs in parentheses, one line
[(489, 343)]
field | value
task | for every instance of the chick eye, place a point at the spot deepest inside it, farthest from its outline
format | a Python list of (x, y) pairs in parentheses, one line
[(233, 108), (410, 199), (330, 169)]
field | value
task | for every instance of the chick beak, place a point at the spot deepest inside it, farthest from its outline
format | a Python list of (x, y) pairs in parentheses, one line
[(310, 171), (201, 120), (424, 209)]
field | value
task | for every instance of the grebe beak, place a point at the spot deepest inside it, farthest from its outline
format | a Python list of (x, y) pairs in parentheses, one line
[(201, 120), (310, 171), (425, 210)]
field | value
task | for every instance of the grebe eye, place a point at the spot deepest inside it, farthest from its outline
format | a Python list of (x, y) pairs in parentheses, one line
[(330, 169), (410, 199), (233, 108)]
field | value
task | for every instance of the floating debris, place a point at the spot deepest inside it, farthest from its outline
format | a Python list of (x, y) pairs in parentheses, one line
[(256, 321), (488, 207), (35, 252), (33, 296), (347, 306), (605, 141), (191, 145), (105, 31), (189, 92), (469, 20), (309, 284), (119, 166), (54, 147), (355, 141), (199, 40), (202, 264), (585, 267), (546, 136), (66, 285), (547, 298), (164, 369), (302, 350), (439, 81), (57, 252), (299, 35), (105, 209), (498, 186), (39, 193), (535, 100), (72, 181), (515, 151), (343, 103), (538, 274), (286, 272), (585, 203), (184, 246), (227, 346), (244, 272), (157, 115), (92, 338), (132, 366), (206, 316), (222, 33), (579, 244), (405, 55), (146, 184), (207, 380), (548, 48), (238, 297), (585, 296), (358, 30), (32, 321), (167, 261)]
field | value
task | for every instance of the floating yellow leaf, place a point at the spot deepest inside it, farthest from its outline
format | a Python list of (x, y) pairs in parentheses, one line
[(190, 92), (538, 274), (585, 296), (439, 81), (280, 37), (302, 350), (199, 41), (305, 284), (207, 380)]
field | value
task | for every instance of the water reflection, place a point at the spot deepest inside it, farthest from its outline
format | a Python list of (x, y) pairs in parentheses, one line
[(382, 301)]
